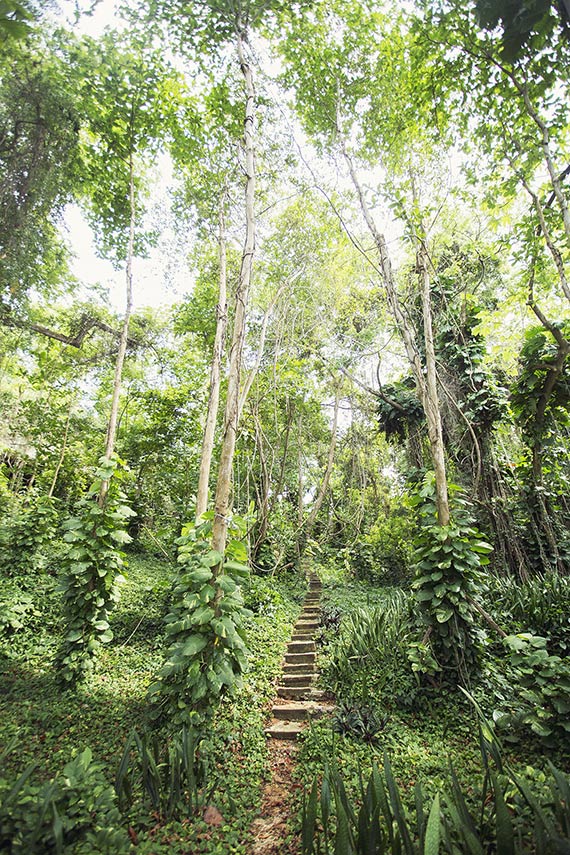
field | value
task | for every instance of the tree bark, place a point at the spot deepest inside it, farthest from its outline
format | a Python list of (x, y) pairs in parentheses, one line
[(231, 417), (113, 416), (215, 370), (431, 401), (62, 452), (426, 383), (310, 521)]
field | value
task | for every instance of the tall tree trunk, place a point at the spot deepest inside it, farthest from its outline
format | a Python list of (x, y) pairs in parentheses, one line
[(310, 521), (426, 383), (62, 452), (215, 370), (430, 400), (224, 482), (113, 416), (300, 487)]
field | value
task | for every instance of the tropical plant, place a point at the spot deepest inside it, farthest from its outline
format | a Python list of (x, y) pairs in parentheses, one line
[(207, 652), (540, 605), (365, 656), (27, 536), (448, 561), (170, 775), (74, 812), (544, 679), (504, 815), (90, 570)]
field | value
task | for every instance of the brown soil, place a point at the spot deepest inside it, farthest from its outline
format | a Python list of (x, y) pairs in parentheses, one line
[(272, 827)]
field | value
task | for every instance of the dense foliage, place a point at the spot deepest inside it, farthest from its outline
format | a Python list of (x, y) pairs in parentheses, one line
[(352, 223)]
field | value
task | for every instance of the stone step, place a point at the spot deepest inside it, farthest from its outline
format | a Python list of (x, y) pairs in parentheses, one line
[(302, 636), (298, 712), (284, 730), (307, 624), (297, 667), (306, 678), (301, 647), (298, 693), (300, 658), (309, 615)]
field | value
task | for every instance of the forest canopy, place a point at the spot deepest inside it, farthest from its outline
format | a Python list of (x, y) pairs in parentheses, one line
[(332, 331)]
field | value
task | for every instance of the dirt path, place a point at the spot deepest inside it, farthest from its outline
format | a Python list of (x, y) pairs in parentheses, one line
[(294, 705), (271, 828)]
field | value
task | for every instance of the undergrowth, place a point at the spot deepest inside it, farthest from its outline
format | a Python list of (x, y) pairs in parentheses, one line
[(51, 728)]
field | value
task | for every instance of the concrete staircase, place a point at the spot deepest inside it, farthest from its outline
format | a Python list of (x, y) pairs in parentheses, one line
[(297, 698)]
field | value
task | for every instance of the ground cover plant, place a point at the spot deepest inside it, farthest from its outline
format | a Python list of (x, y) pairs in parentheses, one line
[(75, 741), (398, 742), (284, 288)]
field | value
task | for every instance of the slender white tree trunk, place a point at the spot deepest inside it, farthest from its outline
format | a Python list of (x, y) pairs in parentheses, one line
[(231, 417), (431, 400), (114, 414), (328, 469), (215, 371), (426, 383)]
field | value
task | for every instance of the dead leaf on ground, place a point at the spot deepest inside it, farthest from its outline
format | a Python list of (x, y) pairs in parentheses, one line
[(213, 816)]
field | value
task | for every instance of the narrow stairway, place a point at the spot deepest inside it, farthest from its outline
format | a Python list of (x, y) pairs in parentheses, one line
[(297, 698)]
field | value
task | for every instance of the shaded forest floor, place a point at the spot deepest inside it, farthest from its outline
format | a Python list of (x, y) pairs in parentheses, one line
[(255, 812)]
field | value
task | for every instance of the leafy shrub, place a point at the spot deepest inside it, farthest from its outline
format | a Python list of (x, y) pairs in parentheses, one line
[(170, 776), (448, 560), (91, 567), (368, 653), (16, 612), (207, 652), (331, 617), (504, 816), (545, 686), (359, 720), (539, 605), (75, 812), (385, 554), (260, 597), (26, 537)]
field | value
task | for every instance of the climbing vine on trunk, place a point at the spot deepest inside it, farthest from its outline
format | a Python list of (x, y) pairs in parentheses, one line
[(207, 652), (448, 561), (91, 566)]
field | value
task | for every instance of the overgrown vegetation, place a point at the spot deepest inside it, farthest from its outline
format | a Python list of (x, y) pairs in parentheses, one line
[(163, 779), (389, 409)]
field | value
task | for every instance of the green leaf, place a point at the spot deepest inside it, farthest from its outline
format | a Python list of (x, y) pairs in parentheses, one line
[(238, 569), (201, 575), (505, 830), (433, 829), (120, 536), (193, 645), (211, 559), (202, 615)]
